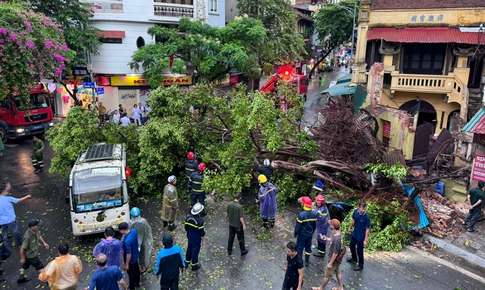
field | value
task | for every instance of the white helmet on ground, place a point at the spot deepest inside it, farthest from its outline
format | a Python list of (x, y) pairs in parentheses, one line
[(266, 162)]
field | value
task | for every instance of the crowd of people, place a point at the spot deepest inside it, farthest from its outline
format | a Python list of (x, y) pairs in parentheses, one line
[(140, 114), (133, 252)]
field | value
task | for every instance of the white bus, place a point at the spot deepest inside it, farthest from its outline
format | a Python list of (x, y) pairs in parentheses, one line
[(98, 193)]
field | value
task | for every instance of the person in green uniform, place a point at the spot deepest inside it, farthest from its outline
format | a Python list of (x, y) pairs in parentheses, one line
[(37, 155), (1, 147), (29, 250)]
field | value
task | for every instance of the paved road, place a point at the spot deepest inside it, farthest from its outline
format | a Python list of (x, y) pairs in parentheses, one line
[(262, 268), (315, 100)]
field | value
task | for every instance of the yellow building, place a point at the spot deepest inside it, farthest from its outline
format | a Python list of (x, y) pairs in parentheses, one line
[(431, 67)]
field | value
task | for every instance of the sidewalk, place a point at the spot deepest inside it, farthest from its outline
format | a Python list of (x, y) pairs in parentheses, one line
[(468, 248)]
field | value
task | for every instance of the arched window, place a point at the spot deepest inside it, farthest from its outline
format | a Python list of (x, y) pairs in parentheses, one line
[(140, 42)]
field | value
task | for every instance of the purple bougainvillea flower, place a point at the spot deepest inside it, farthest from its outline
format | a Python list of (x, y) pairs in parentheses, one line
[(3, 30)]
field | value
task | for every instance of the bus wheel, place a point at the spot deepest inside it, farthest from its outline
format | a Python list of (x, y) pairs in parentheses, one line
[(3, 135)]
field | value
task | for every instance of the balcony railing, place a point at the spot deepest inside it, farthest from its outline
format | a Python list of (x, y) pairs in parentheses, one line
[(447, 84), (173, 10)]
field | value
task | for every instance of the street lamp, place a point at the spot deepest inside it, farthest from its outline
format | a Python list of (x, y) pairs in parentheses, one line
[(352, 12)]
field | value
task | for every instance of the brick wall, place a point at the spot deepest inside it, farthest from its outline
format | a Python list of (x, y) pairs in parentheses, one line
[(425, 4)]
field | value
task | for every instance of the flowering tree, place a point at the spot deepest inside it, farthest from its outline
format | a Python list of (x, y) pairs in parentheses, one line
[(32, 47)]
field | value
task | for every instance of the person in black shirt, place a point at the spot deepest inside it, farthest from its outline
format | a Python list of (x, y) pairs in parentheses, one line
[(266, 169), (293, 269)]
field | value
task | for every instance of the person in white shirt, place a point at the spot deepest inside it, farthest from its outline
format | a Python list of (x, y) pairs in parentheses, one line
[(136, 115), (116, 117), (125, 121), (142, 113)]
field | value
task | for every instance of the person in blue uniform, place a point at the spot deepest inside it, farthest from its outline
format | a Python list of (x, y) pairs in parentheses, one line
[(197, 194), (190, 167), (194, 226), (306, 223), (321, 212)]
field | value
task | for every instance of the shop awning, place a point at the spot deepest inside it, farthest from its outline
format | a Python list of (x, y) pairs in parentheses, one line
[(111, 34), (340, 89), (344, 79), (477, 123), (424, 35)]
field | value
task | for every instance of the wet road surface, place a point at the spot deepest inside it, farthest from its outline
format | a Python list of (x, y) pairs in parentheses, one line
[(262, 268)]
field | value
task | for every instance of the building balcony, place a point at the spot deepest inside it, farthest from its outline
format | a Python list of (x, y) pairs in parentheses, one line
[(175, 8), (449, 85)]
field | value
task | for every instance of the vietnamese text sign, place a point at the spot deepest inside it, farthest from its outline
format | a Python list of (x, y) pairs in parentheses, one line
[(138, 81), (479, 167), (88, 85), (100, 91)]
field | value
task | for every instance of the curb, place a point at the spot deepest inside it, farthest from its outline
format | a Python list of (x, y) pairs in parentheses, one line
[(445, 263), (457, 251)]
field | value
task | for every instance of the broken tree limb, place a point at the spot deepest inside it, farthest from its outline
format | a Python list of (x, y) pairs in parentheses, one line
[(335, 165), (331, 182)]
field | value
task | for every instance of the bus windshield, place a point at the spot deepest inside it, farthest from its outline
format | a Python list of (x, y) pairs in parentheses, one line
[(97, 189), (36, 101)]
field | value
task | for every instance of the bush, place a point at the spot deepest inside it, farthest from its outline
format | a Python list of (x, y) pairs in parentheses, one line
[(389, 232)]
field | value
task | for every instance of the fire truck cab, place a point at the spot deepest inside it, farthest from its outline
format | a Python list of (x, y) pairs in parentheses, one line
[(33, 118), (286, 74)]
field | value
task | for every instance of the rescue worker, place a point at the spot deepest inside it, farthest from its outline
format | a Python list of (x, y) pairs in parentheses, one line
[(266, 169), (194, 226), (321, 211), (267, 201), (304, 228), (170, 206), (197, 193), (37, 155), (145, 238), (190, 167)]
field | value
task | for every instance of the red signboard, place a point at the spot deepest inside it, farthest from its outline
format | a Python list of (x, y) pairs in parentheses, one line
[(386, 130), (479, 167)]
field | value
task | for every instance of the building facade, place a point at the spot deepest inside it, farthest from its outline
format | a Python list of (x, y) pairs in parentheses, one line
[(124, 25), (428, 73)]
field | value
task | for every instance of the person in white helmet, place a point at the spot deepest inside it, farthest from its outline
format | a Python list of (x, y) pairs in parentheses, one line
[(266, 169), (170, 206), (145, 238)]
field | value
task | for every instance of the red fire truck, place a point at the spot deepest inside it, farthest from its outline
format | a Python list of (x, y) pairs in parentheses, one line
[(286, 74), (33, 118)]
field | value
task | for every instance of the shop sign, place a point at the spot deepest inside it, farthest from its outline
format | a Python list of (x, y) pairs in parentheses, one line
[(138, 81), (88, 85), (479, 167), (100, 91)]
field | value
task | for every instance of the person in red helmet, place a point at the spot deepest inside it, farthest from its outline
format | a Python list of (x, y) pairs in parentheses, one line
[(190, 167), (306, 222), (197, 194), (321, 211)]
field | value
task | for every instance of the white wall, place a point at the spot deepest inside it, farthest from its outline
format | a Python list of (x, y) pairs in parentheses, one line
[(218, 18), (135, 20), (113, 58)]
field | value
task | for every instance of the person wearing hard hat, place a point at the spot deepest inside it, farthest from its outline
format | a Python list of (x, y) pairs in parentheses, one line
[(194, 226), (197, 194), (306, 222), (170, 206), (190, 167), (145, 238), (321, 211), (266, 169), (267, 201)]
